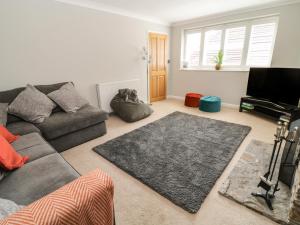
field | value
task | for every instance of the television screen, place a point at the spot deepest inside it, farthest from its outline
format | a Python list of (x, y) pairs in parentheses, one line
[(279, 85)]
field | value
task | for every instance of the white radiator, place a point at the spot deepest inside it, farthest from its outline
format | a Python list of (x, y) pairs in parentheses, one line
[(106, 91)]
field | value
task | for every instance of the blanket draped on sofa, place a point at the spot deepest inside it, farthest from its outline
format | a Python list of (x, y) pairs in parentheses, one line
[(87, 200)]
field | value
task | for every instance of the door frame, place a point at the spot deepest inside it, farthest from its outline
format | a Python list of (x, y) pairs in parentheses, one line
[(148, 63)]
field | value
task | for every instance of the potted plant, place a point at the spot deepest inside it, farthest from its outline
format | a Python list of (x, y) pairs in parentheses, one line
[(219, 60)]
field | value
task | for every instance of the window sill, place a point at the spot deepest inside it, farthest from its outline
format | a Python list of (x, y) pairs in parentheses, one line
[(214, 70)]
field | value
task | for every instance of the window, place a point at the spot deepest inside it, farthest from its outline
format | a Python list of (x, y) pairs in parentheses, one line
[(212, 45), (234, 46), (261, 44), (244, 44), (192, 49)]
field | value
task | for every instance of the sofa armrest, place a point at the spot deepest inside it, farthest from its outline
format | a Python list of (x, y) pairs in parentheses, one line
[(87, 200)]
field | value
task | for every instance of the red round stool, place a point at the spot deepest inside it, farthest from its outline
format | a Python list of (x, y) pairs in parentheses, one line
[(192, 99)]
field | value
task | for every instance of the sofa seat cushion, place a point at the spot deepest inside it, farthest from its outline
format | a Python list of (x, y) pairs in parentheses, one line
[(22, 128), (37, 179), (33, 146), (61, 123)]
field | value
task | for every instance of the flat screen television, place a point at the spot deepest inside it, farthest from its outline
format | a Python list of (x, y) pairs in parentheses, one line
[(278, 85)]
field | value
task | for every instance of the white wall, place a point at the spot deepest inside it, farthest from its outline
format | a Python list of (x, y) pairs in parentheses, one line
[(44, 41), (230, 86)]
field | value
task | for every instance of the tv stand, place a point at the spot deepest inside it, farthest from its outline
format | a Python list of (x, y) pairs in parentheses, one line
[(270, 108)]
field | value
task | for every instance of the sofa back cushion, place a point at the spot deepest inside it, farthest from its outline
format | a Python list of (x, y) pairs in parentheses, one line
[(46, 89), (9, 95), (3, 113)]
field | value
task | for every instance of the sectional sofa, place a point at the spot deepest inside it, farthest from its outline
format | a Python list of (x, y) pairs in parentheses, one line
[(46, 170), (62, 130)]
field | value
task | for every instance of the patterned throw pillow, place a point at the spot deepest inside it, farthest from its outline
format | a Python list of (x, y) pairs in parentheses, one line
[(68, 98), (31, 105), (3, 113)]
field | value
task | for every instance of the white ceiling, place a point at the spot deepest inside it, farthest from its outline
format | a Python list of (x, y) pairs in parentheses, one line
[(171, 11)]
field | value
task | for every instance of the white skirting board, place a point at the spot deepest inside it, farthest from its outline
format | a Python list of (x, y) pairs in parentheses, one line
[(224, 104), (106, 91)]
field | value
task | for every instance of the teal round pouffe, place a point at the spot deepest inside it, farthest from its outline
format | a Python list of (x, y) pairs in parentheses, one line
[(210, 104)]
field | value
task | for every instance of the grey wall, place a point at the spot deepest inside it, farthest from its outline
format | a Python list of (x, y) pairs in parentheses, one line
[(230, 86), (44, 41)]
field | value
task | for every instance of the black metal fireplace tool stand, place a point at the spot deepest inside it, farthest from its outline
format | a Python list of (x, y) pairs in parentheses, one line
[(266, 181)]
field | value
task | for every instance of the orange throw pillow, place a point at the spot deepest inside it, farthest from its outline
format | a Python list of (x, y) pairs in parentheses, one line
[(9, 158), (7, 135)]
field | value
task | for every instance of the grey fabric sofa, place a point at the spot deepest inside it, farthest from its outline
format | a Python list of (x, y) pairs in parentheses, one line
[(62, 130), (45, 171)]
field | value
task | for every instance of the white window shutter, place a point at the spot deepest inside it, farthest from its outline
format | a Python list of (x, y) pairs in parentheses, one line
[(261, 44), (192, 49), (212, 45), (234, 45), (245, 43)]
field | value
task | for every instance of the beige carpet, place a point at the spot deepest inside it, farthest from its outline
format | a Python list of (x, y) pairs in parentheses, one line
[(136, 204)]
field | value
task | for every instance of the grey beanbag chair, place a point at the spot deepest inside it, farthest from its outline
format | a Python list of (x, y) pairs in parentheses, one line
[(128, 107)]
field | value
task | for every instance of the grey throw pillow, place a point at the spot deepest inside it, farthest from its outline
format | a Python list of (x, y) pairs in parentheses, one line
[(8, 207), (31, 105), (3, 113), (68, 98)]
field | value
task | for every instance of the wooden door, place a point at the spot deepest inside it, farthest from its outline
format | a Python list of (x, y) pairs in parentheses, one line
[(158, 66)]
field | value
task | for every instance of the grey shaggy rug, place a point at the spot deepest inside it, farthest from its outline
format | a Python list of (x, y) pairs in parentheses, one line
[(180, 156)]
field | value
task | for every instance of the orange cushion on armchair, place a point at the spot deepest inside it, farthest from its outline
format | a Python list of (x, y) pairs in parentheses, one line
[(9, 158), (7, 135)]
